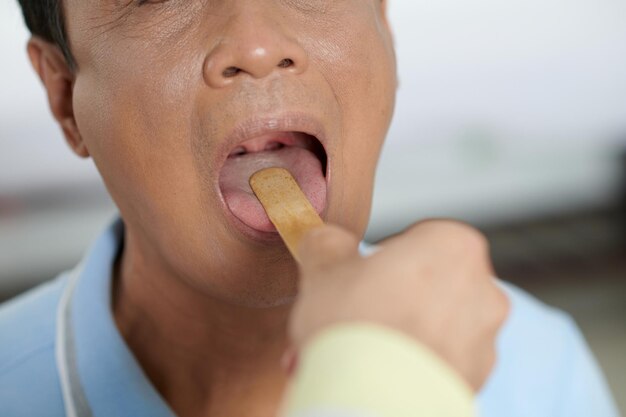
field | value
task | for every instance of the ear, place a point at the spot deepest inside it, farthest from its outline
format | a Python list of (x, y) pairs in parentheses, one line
[(384, 12), (383, 9), (58, 80)]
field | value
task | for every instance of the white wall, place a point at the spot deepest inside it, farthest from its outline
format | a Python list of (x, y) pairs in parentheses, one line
[(524, 68), (33, 154), (506, 109)]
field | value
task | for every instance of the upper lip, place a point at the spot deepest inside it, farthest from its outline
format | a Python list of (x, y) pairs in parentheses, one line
[(293, 122)]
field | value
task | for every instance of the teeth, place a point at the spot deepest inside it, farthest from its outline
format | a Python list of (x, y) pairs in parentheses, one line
[(241, 150), (272, 146)]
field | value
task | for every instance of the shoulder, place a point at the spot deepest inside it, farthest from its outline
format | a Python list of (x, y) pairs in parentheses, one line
[(27, 322), (544, 367), (28, 377), (535, 325)]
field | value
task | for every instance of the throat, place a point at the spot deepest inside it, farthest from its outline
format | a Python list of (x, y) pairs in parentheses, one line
[(204, 357)]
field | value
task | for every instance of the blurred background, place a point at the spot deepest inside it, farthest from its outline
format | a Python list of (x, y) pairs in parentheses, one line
[(511, 116)]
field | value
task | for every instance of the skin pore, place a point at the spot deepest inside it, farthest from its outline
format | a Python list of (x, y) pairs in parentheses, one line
[(204, 307)]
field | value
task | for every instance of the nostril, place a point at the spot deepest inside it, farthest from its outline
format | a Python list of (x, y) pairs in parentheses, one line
[(230, 72), (286, 63)]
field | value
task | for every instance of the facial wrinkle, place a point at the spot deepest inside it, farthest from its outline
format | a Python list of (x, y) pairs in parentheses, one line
[(309, 6), (108, 17)]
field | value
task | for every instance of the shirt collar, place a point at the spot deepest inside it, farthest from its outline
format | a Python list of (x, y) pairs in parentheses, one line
[(112, 380)]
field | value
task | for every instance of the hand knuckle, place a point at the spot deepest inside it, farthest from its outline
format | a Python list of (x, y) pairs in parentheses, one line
[(430, 225), (500, 307), (503, 306), (472, 240), (456, 233), (320, 239)]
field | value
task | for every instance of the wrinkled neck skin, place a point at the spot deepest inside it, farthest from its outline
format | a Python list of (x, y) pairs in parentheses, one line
[(204, 356)]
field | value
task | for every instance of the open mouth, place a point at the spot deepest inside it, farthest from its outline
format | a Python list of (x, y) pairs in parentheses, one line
[(301, 154)]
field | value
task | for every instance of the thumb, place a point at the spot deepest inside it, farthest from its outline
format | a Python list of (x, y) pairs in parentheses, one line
[(325, 246)]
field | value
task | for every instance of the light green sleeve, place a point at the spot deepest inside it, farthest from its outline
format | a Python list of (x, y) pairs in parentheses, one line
[(371, 370)]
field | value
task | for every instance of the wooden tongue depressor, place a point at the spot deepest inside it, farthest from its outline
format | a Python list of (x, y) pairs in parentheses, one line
[(286, 205)]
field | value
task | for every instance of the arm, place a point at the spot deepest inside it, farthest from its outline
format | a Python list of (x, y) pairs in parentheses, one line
[(358, 370)]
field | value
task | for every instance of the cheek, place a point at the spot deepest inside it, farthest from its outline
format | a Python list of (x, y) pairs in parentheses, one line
[(141, 146), (360, 67), (138, 137)]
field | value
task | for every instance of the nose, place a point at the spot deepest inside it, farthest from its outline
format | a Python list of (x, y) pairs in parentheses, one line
[(252, 47)]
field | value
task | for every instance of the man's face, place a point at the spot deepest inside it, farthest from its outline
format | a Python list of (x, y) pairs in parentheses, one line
[(178, 102)]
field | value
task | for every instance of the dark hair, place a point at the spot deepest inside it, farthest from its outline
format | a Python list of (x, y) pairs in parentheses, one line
[(44, 18)]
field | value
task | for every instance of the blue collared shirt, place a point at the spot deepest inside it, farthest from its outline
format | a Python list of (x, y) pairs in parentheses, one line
[(59, 345)]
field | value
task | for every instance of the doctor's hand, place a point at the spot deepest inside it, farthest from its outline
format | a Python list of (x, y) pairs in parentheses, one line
[(433, 282)]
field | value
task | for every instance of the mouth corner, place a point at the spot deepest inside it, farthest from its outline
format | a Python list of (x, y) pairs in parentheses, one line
[(319, 150)]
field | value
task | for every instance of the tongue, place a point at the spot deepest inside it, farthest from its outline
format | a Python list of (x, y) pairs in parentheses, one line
[(303, 165)]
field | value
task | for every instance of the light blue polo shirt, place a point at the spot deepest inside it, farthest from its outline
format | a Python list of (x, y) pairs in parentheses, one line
[(61, 354)]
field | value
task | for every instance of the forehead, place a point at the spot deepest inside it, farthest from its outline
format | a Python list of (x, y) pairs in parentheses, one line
[(116, 6)]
